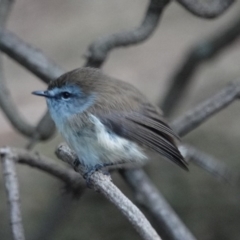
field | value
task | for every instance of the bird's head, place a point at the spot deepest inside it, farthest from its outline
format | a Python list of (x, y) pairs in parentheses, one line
[(71, 93)]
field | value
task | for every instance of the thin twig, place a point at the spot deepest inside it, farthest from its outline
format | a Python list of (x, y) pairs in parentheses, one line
[(199, 54), (198, 115), (149, 196), (104, 185), (206, 9), (12, 189), (208, 163), (99, 49)]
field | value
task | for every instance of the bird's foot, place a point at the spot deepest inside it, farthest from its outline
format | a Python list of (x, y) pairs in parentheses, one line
[(97, 167), (76, 164)]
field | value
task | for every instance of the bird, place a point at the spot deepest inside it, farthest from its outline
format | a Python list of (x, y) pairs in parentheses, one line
[(108, 122)]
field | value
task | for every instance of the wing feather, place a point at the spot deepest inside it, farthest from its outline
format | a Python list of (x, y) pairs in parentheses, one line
[(146, 131)]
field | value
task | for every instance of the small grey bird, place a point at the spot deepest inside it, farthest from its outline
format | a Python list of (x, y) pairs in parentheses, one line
[(107, 121)]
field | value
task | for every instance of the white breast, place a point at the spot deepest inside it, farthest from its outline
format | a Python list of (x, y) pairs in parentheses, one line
[(118, 147), (95, 145)]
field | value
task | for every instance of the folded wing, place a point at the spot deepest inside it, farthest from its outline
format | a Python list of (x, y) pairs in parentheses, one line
[(146, 128)]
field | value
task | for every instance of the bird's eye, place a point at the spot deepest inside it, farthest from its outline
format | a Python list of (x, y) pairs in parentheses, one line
[(65, 95)]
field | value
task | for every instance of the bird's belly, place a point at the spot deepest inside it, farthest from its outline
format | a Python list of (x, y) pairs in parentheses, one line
[(94, 147)]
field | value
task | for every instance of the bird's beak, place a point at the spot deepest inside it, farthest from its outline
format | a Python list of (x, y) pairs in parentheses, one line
[(42, 93)]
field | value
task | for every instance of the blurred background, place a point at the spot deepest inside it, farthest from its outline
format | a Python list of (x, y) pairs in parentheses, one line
[(64, 30)]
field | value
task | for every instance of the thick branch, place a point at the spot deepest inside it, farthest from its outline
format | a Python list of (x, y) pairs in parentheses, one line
[(104, 185), (72, 179), (98, 50), (206, 9), (12, 189), (149, 196), (29, 57), (195, 117), (202, 52)]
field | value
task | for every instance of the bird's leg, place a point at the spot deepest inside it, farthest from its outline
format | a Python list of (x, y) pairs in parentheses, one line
[(76, 164), (95, 168)]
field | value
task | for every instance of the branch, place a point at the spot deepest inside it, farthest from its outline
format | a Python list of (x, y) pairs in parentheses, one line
[(195, 117), (208, 163), (8, 166), (149, 196), (206, 9), (29, 57), (199, 54), (36, 62), (43, 131), (10, 110), (98, 50), (6, 102), (104, 185), (22, 156), (12, 189)]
